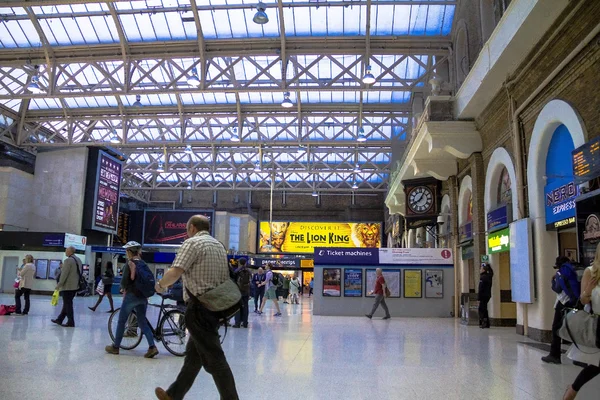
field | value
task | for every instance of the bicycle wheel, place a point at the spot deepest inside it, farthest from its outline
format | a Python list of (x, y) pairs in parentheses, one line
[(133, 334), (174, 333)]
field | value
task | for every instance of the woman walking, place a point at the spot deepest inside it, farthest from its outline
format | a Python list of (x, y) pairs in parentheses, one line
[(485, 294), (25, 275), (590, 296), (107, 280), (294, 289)]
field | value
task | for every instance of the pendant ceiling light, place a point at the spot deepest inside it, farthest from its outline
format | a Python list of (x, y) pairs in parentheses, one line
[(34, 85), (354, 186), (361, 135), (235, 137), (193, 79), (368, 79), (114, 138), (257, 167), (138, 102), (287, 103), (356, 168), (188, 149), (315, 194), (260, 17), (161, 167)]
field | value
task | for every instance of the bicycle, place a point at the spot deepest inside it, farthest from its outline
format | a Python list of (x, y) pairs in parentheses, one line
[(170, 328)]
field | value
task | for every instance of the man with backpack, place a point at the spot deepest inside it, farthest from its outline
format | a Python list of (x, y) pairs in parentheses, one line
[(242, 277), (137, 285), (566, 285), (271, 282)]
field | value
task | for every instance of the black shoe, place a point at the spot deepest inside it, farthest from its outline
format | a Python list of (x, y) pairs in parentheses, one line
[(57, 322), (388, 317), (551, 360), (235, 326), (68, 325), (110, 311), (245, 325), (368, 316)]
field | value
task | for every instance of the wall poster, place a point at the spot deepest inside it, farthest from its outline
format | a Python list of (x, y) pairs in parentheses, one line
[(107, 193), (332, 282), (169, 227), (413, 283), (434, 283), (41, 269), (353, 282), (392, 279)]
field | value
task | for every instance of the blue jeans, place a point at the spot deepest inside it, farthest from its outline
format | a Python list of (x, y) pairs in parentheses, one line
[(138, 304)]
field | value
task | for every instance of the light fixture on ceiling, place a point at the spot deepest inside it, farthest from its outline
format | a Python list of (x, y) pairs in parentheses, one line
[(114, 138), (161, 167), (138, 102), (235, 137), (257, 167), (361, 135), (368, 79), (188, 149), (34, 85), (355, 186), (301, 150), (193, 79), (287, 103), (315, 194), (357, 169), (261, 16)]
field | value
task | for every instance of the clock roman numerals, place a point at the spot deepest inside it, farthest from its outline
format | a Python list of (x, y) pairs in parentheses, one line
[(420, 199)]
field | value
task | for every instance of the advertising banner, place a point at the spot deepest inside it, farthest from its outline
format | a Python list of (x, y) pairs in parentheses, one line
[(353, 282), (521, 262), (560, 204), (332, 282), (434, 283), (346, 256), (416, 256), (76, 241), (465, 232), (106, 198), (499, 242), (413, 283), (169, 227), (304, 237), (392, 280)]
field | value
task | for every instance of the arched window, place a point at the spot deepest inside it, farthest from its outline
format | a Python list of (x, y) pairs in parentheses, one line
[(462, 63)]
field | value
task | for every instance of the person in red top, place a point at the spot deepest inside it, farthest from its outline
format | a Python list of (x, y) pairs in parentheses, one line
[(379, 293)]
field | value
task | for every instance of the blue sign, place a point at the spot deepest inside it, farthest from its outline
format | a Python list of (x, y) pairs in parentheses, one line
[(465, 232), (113, 250), (498, 219), (346, 256), (54, 240), (560, 204), (353, 282)]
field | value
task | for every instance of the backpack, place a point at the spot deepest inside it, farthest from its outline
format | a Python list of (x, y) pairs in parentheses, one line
[(83, 285), (144, 279), (7, 310), (243, 281)]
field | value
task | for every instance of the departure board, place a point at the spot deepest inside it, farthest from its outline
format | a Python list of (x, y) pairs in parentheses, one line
[(586, 161)]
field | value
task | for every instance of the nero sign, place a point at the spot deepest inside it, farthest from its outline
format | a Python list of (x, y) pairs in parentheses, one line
[(560, 204)]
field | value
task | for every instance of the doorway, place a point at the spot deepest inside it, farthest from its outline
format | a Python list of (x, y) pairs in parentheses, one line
[(9, 273)]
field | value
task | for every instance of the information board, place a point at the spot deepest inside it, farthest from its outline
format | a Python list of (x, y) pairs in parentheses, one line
[(586, 161), (41, 269), (107, 191)]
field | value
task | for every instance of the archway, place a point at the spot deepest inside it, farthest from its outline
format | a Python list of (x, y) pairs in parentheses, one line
[(466, 264)]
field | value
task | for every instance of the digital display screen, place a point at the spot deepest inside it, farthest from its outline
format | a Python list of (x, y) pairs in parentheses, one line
[(41, 269), (54, 265), (167, 227), (586, 161), (106, 199)]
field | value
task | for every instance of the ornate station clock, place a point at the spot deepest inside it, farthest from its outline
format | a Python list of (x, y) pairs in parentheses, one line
[(420, 199)]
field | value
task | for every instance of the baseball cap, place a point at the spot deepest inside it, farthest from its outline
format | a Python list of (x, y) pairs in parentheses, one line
[(131, 244)]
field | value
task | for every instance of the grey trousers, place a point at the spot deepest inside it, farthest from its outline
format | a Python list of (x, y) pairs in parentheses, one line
[(380, 299)]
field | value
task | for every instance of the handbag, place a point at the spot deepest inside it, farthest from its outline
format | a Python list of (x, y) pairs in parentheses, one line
[(387, 292), (55, 296), (224, 301), (100, 288), (580, 328)]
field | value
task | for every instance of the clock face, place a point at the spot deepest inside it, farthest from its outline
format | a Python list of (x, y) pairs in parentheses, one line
[(420, 199)]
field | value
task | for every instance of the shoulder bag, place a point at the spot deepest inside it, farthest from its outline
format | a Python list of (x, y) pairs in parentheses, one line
[(580, 328), (224, 301)]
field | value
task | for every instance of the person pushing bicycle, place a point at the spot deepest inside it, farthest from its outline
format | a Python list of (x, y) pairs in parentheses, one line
[(137, 285)]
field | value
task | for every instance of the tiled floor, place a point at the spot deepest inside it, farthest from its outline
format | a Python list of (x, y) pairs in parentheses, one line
[(297, 356)]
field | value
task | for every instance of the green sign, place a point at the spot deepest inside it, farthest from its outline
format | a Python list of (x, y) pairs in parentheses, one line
[(499, 242), (485, 258), (468, 252)]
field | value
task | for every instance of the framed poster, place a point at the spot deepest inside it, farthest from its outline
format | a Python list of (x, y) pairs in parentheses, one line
[(332, 282), (41, 269), (413, 283), (54, 265), (353, 282), (392, 279), (434, 283)]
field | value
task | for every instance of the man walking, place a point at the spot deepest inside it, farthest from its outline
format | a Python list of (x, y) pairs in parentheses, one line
[(270, 290), (202, 261), (68, 285), (379, 292), (133, 300), (242, 277), (259, 289), (567, 288)]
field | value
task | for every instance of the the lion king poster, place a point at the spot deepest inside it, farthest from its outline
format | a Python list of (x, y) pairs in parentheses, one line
[(303, 237)]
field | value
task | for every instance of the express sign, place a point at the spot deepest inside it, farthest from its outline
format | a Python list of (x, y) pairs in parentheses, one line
[(560, 204)]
